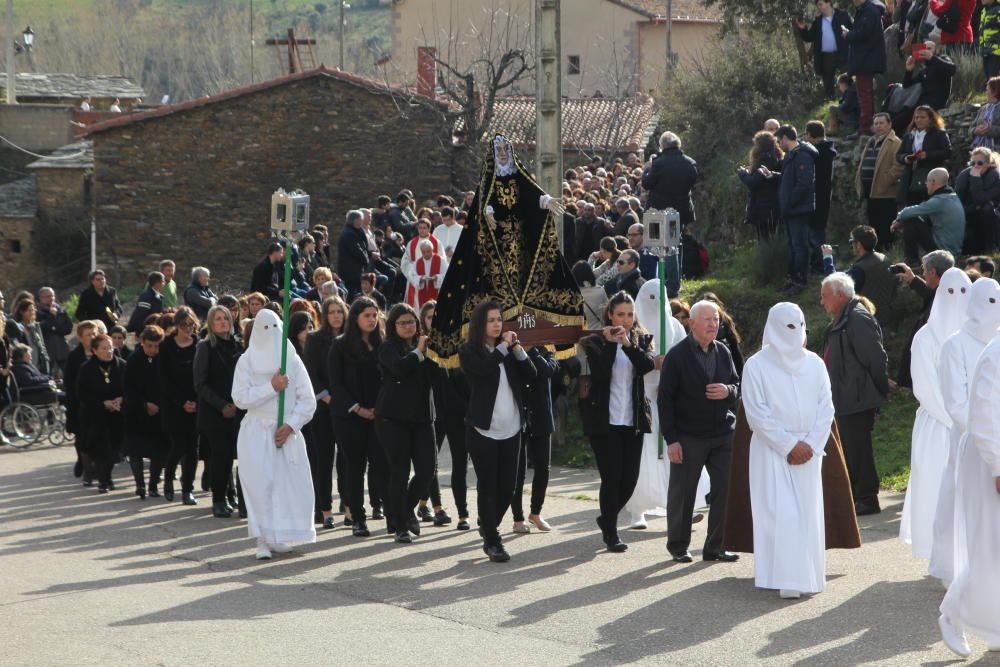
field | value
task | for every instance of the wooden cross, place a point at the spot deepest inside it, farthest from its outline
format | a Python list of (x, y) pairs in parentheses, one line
[(294, 53)]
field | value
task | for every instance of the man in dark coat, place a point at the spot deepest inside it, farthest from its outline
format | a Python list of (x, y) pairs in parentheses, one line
[(828, 43), (629, 278), (865, 55), (352, 252), (670, 177), (268, 276), (99, 301), (825, 156), (56, 325), (149, 302), (934, 76)]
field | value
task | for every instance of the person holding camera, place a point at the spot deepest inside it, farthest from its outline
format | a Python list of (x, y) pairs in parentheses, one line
[(614, 409), (871, 271)]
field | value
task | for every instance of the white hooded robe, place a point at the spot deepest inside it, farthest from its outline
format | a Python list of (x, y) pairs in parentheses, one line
[(277, 484)]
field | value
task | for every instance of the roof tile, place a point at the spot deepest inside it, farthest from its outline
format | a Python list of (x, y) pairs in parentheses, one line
[(76, 86), (18, 198)]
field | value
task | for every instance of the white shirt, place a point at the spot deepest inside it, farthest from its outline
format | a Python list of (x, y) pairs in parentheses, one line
[(448, 236), (620, 399), (506, 421), (918, 140)]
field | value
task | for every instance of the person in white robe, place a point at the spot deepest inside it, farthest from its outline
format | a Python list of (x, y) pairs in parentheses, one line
[(929, 445), (959, 355), (972, 603), (447, 234), (274, 468), (650, 495), (789, 407)]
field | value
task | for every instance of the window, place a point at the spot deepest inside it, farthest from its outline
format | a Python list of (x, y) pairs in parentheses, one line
[(574, 65), (14, 246)]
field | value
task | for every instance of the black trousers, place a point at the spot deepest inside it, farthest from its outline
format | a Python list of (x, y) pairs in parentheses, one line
[(712, 454), (155, 470), (183, 450), (406, 443), (495, 462), (540, 449), (360, 448), (828, 63), (881, 213), (321, 450), (454, 429), (618, 453), (222, 453), (917, 234), (856, 437)]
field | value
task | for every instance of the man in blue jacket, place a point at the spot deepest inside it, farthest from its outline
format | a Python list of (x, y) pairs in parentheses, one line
[(797, 197)]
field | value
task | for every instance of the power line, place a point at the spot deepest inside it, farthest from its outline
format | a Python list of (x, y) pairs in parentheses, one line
[(44, 157)]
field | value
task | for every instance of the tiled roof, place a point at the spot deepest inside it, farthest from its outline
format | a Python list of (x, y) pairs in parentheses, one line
[(75, 86), (168, 109), (691, 10), (18, 199), (592, 123), (82, 152)]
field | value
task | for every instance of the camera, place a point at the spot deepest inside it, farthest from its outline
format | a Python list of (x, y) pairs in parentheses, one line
[(896, 270), (661, 229), (289, 211)]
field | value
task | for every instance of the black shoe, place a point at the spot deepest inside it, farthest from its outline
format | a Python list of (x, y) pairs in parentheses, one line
[(111, 485), (441, 518), (318, 518), (424, 514), (865, 509), (221, 510), (168, 492), (413, 525), (188, 498), (403, 537), (242, 513), (102, 488), (141, 492), (682, 557), (722, 556), (617, 546), (360, 529), (153, 493), (497, 553), (78, 469), (88, 482), (463, 523), (349, 522), (377, 514), (329, 523)]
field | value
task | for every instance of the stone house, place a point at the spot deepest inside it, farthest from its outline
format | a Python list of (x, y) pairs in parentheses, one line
[(17, 239), (72, 89), (193, 181)]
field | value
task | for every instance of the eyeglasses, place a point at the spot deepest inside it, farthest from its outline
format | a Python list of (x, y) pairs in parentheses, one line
[(977, 163), (622, 262), (406, 323)]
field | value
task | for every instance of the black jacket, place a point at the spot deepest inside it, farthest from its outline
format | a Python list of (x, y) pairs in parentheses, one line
[(623, 222), (865, 42), (763, 207), (588, 233), (104, 307), (979, 195), (482, 370), (538, 392), (317, 351), (214, 368), (149, 303), (143, 385), (681, 402), (199, 299), (177, 377), (825, 155), (856, 360), (354, 379), (101, 429), (28, 377), (594, 408), (352, 257), (30, 334), (814, 34), (55, 328), (797, 192), (669, 181), (937, 147), (451, 394), (264, 279), (77, 357), (405, 394), (935, 78), (630, 282)]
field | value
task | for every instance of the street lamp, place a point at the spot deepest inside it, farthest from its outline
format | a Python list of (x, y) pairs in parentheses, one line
[(29, 38), (343, 22)]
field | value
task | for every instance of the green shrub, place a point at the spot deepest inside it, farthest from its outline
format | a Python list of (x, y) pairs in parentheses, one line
[(969, 80)]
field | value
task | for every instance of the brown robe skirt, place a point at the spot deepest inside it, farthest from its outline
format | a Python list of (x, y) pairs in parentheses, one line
[(838, 503)]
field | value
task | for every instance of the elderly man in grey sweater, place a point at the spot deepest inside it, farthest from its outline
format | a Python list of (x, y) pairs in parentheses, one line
[(935, 224)]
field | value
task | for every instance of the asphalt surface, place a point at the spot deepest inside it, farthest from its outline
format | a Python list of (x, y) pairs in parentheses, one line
[(111, 579)]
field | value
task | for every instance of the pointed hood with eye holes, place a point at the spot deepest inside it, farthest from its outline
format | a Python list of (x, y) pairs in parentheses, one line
[(785, 338), (264, 352), (984, 310), (647, 309), (951, 300)]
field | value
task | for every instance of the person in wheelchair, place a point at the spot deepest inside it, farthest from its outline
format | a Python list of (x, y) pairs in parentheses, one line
[(33, 386)]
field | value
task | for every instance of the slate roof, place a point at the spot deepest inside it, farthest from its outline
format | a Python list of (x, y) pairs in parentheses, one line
[(18, 198), (82, 152), (75, 86), (690, 10), (591, 123)]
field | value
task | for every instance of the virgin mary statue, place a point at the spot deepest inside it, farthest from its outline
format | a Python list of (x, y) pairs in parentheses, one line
[(508, 252)]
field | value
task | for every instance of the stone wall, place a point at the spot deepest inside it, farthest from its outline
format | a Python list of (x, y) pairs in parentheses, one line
[(196, 185), (19, 268), (37, 127)]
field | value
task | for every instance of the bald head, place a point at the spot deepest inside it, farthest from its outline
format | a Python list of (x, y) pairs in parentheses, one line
[(937, 178), (704, 322), (771, 125)]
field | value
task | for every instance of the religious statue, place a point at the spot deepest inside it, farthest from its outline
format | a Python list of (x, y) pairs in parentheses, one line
[(508, 253)]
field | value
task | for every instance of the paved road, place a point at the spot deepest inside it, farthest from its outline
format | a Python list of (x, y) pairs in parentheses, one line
[(111, 579)]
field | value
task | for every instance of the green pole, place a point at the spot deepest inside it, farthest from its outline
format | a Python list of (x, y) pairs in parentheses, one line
[(284, 326), (661, 271)]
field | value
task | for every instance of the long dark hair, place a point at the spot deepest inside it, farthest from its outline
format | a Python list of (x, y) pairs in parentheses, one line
[(616, 300), (352, 332), (396, 312), (297, 323), (324, 317), (427, 305), (765, 147), (934, 116), (477, 323)]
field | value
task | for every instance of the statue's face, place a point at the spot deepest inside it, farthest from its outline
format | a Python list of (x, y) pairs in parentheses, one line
[(503, 154)]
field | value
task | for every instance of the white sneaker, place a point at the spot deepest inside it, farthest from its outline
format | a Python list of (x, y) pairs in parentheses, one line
[(953, 638), (638, 521), (263, 553), (280, 548), (787, 594)]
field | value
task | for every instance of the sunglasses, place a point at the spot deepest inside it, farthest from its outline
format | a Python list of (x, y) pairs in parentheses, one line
[(977, 163), (622, 262)]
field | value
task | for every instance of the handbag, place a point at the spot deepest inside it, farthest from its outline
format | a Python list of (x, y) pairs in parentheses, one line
[(904, 98)]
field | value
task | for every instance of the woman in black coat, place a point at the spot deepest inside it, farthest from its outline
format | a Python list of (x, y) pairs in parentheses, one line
[(144, 437), (85, 332), (100, 387), (926, 146), (180, 404), (537, 441), (614, 411), (354, 385), (214, 366), (978, 186), (497, 368), (322, 449), (763, 208), (403, 418), (443, 409), (99, 302)]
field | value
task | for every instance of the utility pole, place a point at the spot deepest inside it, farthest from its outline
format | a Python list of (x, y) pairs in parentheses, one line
[(548, 108), (670, 30), (8, 47), (340, 4)]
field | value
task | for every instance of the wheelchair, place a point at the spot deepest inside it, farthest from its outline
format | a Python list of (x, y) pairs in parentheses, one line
[(33, 415)]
